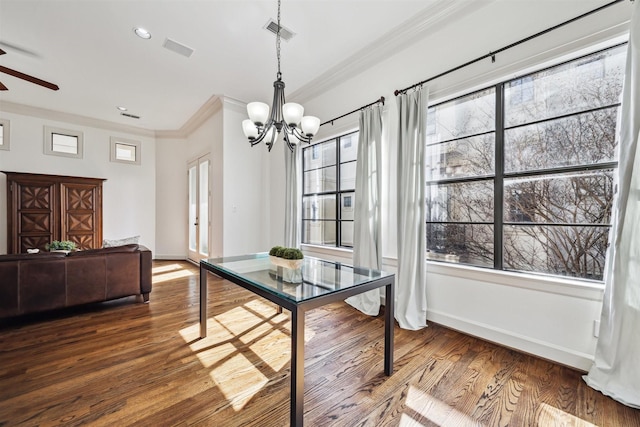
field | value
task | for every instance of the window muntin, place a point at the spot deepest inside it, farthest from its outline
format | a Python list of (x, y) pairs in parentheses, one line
[(465, 116), (527, 248), (587, 83), (320, 180), (582, 139), (328, 200), (554, 189), (461, 158), (571, 198), (461, 201), (461, 243)]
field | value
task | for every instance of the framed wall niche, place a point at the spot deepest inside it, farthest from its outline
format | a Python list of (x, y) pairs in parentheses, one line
[(124, 150), (4, 134), (63, 142)]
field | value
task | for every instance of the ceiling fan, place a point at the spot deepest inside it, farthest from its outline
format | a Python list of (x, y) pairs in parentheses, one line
[(24, 76)]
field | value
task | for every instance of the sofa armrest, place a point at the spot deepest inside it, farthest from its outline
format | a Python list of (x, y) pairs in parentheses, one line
[(145, 272)]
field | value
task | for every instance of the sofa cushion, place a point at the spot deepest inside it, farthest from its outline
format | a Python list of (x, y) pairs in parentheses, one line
[(86, 279), (42, 285), (123, 274), (9, 289)]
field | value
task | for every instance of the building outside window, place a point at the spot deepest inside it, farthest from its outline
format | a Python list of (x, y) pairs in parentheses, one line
[(329, 172), (520, 174)]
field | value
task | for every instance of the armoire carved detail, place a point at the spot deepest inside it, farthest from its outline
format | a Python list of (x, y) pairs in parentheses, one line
[(42, 208)]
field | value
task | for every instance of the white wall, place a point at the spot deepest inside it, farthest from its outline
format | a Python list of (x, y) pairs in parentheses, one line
[(171, 198), (128, 192), (549, 317), (246, 191)]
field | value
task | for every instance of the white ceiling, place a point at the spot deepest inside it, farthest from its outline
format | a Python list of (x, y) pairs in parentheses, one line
[(88, 48)]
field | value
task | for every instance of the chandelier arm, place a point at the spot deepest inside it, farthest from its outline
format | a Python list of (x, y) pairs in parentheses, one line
[(286, 139), (262, 135), (296, 132)]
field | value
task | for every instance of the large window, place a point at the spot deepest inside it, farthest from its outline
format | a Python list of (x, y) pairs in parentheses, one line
[(329, 191), (520, 175)]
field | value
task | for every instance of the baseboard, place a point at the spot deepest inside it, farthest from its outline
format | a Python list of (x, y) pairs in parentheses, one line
[(545, 350), (170, 257)]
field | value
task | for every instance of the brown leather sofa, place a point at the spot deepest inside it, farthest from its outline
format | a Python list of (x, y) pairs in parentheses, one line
[(31, 283)]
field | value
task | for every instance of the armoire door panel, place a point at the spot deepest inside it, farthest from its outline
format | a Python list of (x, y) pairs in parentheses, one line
[(33, 196), (79, 197), (34, 242), (76, 221), (34, 222)]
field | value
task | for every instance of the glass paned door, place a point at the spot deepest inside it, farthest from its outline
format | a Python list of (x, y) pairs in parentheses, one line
[(199, 223)]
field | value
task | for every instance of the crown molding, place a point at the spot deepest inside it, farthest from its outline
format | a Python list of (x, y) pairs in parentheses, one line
[(208, 109), (399, 38), (235, 104), (43, 113)]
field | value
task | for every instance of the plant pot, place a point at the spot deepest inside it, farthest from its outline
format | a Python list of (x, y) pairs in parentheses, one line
[(292, 264)]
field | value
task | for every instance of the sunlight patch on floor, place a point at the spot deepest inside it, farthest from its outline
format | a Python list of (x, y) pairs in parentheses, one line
[(240, 345), (170, 272), (435, 410), (238, 380), (547, 415)]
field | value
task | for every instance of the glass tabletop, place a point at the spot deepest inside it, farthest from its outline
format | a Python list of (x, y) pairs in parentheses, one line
[(314, 278)]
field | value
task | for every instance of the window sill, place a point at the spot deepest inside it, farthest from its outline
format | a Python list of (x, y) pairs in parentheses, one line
[(549, 284), (326, 250), (583, 289)]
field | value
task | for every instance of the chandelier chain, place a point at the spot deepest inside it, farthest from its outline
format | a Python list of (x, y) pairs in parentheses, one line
[(278, 42)]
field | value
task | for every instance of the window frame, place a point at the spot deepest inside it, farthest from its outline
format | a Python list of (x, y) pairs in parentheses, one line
[(338, 193), (113, 155), (6, 135), (500, 174), (50, 131)]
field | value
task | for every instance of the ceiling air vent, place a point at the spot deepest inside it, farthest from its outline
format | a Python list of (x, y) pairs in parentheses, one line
[(178, 48), (133, 116), (285, 33)]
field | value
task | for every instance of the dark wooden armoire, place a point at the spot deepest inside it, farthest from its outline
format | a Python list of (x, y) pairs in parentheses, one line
[(43, 208)]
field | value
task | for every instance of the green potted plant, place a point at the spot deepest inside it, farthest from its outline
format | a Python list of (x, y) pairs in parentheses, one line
[(286, 257), (61, 246)]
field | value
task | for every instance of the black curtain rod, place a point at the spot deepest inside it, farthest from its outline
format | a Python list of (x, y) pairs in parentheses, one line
[(492, 55), (381, 100)]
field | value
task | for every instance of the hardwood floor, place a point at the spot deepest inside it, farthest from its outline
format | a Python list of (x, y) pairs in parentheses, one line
[(127, 363)]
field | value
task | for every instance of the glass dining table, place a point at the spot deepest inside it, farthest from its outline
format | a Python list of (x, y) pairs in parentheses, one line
[(317, 282)]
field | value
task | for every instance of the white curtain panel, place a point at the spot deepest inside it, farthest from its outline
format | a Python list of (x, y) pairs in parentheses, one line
[(292, 219), (367, 244), (411, 291), (616, 369)]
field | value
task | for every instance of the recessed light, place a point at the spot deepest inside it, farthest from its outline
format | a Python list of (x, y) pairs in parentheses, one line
[(121, 108), (142, 33)]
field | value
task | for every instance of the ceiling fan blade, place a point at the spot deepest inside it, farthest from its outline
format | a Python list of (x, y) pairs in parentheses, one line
[(28, 78), (2, 52), (3, 87)]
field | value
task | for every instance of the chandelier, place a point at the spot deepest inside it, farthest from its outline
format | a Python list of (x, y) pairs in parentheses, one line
[(284, 116)]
